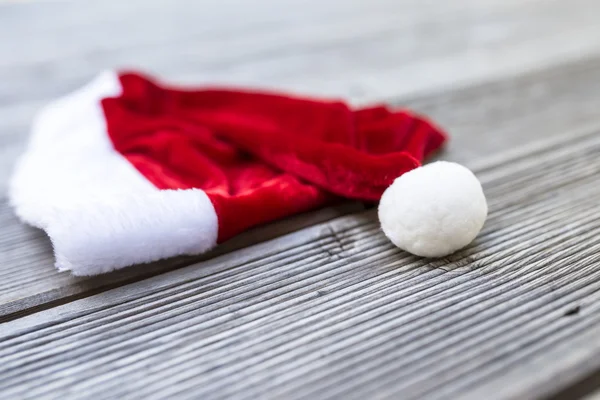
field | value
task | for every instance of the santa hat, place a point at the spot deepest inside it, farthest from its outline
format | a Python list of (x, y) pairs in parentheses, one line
[(127, 171)]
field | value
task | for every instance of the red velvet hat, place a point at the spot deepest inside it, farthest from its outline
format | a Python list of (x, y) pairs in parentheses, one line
[(126, 171)]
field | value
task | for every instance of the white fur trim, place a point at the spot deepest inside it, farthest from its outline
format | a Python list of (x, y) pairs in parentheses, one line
[(100, 213)]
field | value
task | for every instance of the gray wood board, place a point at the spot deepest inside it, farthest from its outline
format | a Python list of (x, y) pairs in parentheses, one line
[(30, 280), (350, 48), (482, 120), (384, 49), (361, 51), (335, 311)]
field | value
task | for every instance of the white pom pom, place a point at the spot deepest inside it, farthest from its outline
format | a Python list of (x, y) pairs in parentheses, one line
[(434, 210)]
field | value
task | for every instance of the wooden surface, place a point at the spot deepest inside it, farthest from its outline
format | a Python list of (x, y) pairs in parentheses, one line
[(330, 310)]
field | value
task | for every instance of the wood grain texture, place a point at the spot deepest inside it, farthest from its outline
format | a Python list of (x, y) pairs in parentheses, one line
[(510, 113), (331, 311), (482, 120), (384, 46), (30, 281), (361, 51), (335, 311)]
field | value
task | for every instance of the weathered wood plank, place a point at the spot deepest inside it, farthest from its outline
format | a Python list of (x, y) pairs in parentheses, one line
[(336, 311), (487, 119), (29, 279), (482, 120), (383, 48), (513, 107), (360, 51), (364, 51), (45, 58), (574, 355)]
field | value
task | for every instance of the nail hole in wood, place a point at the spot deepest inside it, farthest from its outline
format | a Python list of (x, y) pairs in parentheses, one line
[(572, 311)]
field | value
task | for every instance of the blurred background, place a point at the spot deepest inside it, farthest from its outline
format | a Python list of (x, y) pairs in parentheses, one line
[(359, 50)]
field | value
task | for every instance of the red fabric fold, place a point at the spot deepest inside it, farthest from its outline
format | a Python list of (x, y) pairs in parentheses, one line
[(262, 156)]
